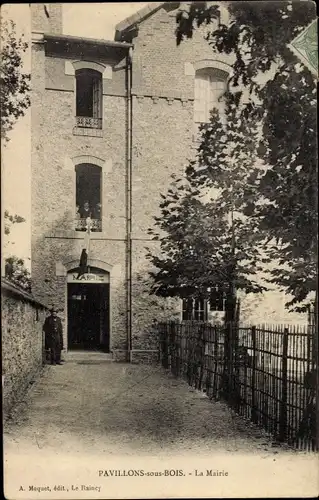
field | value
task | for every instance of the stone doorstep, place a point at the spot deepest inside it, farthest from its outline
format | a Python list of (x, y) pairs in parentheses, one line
[(98, 356), (83, 356)]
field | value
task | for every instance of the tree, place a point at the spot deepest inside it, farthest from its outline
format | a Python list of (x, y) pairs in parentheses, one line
[(258, 34), (14, 267), (14, 101), (205, 239), (17, 273), (11, 219), (14, 84)]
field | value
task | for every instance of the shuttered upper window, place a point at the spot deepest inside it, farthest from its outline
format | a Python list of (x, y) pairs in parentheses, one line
[(209, 87)]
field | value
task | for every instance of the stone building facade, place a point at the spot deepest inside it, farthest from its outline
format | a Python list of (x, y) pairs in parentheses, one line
[(119, 147)]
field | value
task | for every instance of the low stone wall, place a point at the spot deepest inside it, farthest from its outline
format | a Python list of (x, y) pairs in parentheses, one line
[(22, 342)]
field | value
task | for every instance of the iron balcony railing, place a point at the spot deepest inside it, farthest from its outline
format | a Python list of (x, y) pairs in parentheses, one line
[(81, 225), (88, 122)]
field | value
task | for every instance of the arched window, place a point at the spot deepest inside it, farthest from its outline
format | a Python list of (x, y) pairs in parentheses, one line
[(88, 98), (88, 196), (210, 84)]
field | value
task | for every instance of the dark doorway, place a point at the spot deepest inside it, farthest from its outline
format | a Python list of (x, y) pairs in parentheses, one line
[(88, 316)]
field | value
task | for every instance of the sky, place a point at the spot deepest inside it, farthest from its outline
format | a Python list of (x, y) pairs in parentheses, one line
[(95, 20)]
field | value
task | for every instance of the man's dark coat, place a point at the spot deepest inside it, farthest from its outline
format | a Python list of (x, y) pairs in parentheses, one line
[(53, 333)]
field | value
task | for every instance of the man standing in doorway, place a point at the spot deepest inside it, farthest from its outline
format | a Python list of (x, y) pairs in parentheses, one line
[(53, 337)]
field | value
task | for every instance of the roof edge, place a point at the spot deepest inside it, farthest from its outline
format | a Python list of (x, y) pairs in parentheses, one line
[(92, 41), (141, 15)]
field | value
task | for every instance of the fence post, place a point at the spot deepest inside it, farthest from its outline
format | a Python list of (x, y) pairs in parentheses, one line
[(284, 391), (235, 367), (226, 386), (165, 345), (178, 349), (173, 348), (216, 362), (315, 367), (253, 377)]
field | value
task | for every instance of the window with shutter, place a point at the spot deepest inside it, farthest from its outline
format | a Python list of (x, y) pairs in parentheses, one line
[(97, 98), (209, 87), (88, 98)]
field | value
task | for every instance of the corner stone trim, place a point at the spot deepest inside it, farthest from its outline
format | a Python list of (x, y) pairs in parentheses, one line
[(37, 37), (71, 67), (189, 69)]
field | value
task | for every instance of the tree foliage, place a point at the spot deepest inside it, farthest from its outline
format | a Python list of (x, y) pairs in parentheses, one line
[(205, 238), (14, 83), (14, 101), (257, 36), (15, 270), (17, 273), (10, 219)]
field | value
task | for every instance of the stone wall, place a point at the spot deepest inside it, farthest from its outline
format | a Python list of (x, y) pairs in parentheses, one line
[(22, 342), (47, 17)]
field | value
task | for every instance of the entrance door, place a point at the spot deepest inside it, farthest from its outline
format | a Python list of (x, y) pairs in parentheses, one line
[(88, 316)]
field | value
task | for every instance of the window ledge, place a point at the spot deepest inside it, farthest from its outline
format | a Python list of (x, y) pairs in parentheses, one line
[(88, 132), (75, 235)]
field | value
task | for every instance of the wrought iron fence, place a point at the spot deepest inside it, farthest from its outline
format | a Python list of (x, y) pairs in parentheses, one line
[(268, 375)]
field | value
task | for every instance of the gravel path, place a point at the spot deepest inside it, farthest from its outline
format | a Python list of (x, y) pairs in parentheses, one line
[(96, 406), (91, 416)]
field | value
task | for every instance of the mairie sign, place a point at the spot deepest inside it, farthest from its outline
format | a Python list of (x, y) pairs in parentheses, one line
[(87, 278)]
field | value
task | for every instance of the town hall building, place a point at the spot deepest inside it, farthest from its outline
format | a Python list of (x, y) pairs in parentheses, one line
[(111, 121)]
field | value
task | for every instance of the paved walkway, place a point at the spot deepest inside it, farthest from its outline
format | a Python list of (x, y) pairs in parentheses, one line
[(93, 405)]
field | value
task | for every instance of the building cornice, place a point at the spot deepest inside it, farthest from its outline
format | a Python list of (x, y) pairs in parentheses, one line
[(70, 39)]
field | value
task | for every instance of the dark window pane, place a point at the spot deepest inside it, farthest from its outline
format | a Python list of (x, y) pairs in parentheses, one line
[(89, 93), (88, 191)]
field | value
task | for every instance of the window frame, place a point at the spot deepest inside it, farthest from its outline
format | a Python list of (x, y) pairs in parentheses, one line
[(214, 75), (78, 226), (199, 310), (211, 97), (90, 122)]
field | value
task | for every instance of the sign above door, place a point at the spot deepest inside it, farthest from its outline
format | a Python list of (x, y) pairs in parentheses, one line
[(72, 277)]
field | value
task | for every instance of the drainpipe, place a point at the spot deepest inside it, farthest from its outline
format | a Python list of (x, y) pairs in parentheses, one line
[(129, 206)]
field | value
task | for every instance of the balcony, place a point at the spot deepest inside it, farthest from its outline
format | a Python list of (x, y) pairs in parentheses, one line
[(81, 225), (88, 122)]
